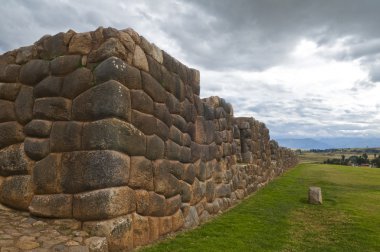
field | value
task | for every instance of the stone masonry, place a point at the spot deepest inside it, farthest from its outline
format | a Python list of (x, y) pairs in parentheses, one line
[(106, 128)]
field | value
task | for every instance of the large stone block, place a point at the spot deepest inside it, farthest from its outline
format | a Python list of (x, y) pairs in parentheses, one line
[(178, 220), (110, 99), (141, 173), (141, 101), (189, 173), (114, 68), (37, 148), (191, 218), (54, 46), (166, 225), (165, 182), (10, 133), (153, 88), (154, 68), (38, 128), (140, 60), (9, 91), (315, 195), (89, 170), (48, 87), (118, 231), (180, 123), (66, 136), (34, 71), (7, 112), (173, 104), (13, 161), (24, 104), (17, 192), (186, 192), (111, 47), (144, 122), (150, 203), (104, 203), (81, 43), (114, 134), (77, 82), (162, 130), (172, 205), (46, 175), (52, 205), (210, 191), (140, 230), (161, 112), (65, 64), (52, 108), (155, 147), (222, 190), (175, 135), (25, 54), (9, 73)]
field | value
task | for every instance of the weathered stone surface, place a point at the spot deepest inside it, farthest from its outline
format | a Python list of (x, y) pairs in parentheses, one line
[(105, 100), (164, 182), (34, 71), (104, 203), (161, 112), (315, 195), (178, 220), (175, 135), (118, 231), (17, 192), (52, 205), (65, 64), (210, 191), (114, 68), (166, 225), (24, 104), (150, 203), (9, 73), (54, 46), (141, 101), (46, 175), (180, 123), (97, 244), (111, 47), (173, 104), (80, 43), (7, 112), (144, 122), (155, 147), (13, 161), (153, 88), (66, 136), (36, 148), (154, 228), (141, 173), (10, 133), (38, 128), (173, 150), (139, 59), (9, 91), (140, 230), (189, 173), (52, 108), (89, 170), (172, 205), (222, 190), (77, 82), (192, 218), (127, 41), (48, 87), (162, 130), (25, 54), (114, 134), (154, 68)]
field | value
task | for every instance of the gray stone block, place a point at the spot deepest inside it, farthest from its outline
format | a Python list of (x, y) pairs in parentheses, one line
[(34, 71)]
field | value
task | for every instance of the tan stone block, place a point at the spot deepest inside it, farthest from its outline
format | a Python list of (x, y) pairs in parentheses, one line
[(104, 203), (141, 173), (140, 230), (177, 220), (154, 228), (118, 231), (17, 192), (139, 59), (166, 225), (172, 205), (80, 43), (52, 205)]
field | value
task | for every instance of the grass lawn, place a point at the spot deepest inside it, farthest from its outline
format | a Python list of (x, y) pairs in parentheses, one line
[(278, 218)]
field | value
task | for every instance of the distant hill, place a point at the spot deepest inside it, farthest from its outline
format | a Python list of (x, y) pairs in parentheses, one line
[(329, 143)]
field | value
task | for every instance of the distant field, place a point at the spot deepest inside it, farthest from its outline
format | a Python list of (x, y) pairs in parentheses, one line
[(319, 157), (278, 217)]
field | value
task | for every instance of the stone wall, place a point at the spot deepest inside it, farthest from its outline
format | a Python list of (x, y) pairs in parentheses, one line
[(106, 128)]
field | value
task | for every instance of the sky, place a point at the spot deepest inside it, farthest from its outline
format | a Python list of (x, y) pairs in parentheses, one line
[(304, 68)]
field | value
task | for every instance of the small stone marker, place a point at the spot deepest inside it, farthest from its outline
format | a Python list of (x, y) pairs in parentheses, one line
[(315, 195)]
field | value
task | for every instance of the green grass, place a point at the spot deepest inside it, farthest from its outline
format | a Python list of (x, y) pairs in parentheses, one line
[(278, 218)]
